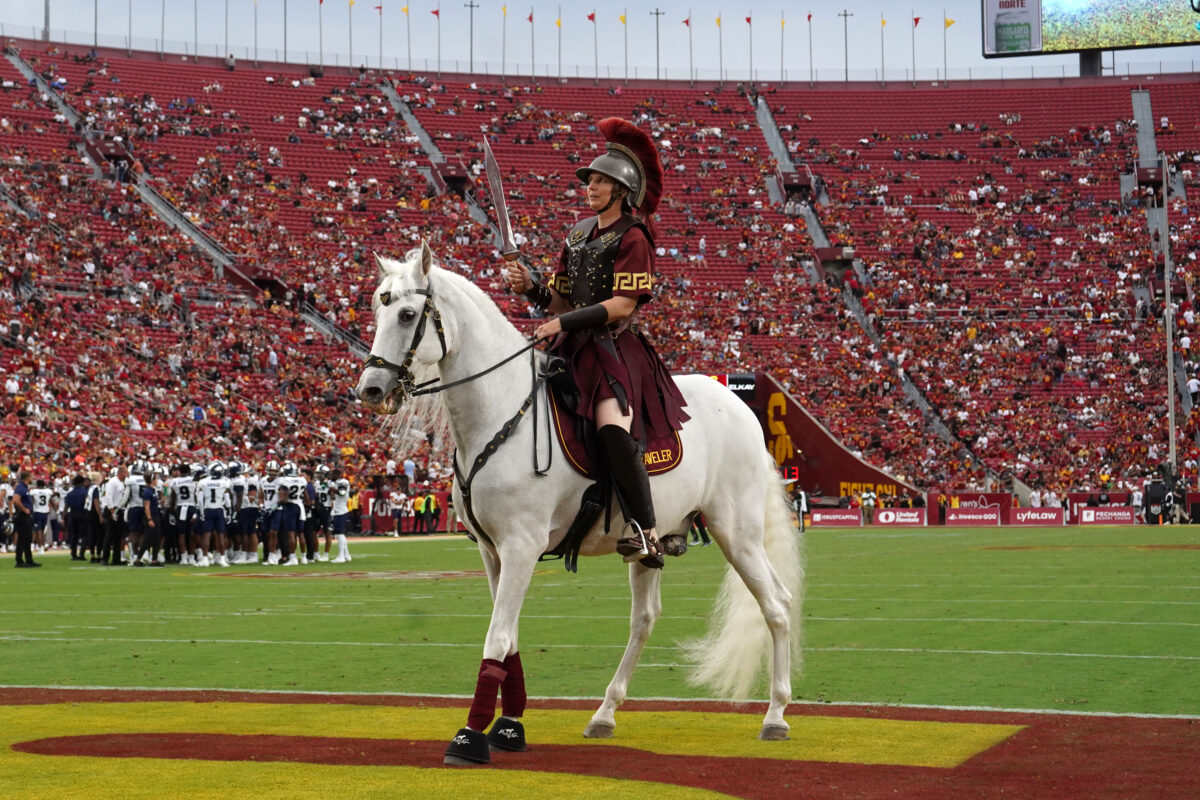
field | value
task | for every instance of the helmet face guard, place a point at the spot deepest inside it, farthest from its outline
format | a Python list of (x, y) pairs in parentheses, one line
[(622, 169)]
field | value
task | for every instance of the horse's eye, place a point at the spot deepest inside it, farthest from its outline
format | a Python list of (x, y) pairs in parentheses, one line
[(407, 315), (385, 298)]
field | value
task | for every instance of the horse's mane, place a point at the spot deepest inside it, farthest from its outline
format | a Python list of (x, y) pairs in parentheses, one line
[(488, 312)]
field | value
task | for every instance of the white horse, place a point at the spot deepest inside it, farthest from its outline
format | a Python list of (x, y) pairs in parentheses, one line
[(434, 325)]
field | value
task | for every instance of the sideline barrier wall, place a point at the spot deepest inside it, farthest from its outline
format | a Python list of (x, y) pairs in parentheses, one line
[(840, 517)]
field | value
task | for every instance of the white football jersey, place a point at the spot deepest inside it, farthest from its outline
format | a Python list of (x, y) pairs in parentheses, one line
[(183, 489), (340, 492), (291, 490), (41, 500), (251, 493), (268, 491), (213, 493)]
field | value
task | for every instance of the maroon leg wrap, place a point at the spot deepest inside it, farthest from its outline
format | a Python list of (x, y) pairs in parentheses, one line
[(483, 707), (512, 689)]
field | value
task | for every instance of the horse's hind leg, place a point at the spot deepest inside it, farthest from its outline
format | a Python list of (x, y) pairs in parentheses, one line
[(647, 606)]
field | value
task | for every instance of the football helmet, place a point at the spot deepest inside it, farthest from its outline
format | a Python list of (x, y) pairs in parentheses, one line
[(216, 469), (272, 467), (322, 471), (289, 469), (199, 471)]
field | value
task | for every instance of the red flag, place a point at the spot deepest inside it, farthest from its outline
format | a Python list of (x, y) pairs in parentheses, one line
[(592, 16), (916, 21), (748, 20), (688, 22), (531, 17), (379, 9), (810, 17), (437, 12)]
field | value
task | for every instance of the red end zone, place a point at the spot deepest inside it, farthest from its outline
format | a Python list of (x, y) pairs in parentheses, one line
[(1055, 756)]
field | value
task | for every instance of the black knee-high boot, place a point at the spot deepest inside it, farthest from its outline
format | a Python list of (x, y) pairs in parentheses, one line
[(628, 472)]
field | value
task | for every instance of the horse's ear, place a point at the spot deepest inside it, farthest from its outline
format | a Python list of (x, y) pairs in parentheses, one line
[(426, 257), (379, 264)]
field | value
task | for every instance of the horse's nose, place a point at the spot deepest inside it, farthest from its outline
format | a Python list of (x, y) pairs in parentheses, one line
[(371, 395)]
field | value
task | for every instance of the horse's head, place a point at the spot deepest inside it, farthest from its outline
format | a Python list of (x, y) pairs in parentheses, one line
[(408, 331)]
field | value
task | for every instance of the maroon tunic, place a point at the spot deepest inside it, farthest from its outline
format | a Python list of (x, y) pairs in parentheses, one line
[(617, 360)]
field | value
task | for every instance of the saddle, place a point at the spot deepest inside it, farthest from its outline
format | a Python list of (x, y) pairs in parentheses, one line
[(577, 438)]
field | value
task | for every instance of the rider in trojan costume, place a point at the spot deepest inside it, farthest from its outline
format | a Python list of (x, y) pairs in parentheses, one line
[(604, 276)]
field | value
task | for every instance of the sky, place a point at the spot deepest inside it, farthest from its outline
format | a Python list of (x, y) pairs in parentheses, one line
[(504, 41)]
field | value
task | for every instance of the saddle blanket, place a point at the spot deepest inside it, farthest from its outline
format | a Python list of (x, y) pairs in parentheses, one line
[(662, 454)]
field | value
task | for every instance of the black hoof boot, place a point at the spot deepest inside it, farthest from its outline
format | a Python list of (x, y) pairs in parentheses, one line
[(507, 734), (467, 749)]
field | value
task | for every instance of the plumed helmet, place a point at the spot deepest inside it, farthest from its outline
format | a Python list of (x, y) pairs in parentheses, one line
[(631, 159)]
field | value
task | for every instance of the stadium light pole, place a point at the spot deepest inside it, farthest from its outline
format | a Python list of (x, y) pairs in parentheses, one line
[(1168, 316), (285, 2), (129, 38), (845, 14), (195, 29), (657, 14), (95, 24), (471, 60), (225, 49)]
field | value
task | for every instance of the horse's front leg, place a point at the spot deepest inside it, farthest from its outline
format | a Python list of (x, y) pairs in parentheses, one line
[(500, 669), (644, 585)]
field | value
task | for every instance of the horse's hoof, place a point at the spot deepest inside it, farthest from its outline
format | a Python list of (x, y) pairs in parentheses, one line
[(507, 734), (773, 733), (468, 748), (599, 730)]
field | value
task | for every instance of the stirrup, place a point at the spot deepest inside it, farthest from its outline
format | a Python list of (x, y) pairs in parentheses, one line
[(640, 547)]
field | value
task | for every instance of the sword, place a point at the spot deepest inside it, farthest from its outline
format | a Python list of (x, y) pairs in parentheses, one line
[(508, 248)]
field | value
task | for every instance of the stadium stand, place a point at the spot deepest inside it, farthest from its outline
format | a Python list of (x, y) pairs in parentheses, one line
[(1003, 275)]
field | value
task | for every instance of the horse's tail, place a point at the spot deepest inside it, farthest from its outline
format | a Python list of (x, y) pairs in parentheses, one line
[(730, 656)]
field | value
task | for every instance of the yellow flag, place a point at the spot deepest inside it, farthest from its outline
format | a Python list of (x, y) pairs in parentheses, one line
[(622, 18), (405, 10), (504, 10), (718, 22), (782, 23), (883, 23), (352, 3), (949, 22), (558, 22)]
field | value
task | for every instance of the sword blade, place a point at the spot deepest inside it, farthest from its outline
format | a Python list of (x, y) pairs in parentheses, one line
[(507, 246)]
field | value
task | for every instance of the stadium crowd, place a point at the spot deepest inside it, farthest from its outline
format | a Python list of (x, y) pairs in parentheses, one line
[(123, 339)]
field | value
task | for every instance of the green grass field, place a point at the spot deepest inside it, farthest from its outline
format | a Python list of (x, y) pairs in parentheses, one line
[(1078, 619)]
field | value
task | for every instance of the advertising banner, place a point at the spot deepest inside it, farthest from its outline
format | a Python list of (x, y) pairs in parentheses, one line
[(1110, 515), (973, 516), (1037, 516), (900, 516), (842, 517)]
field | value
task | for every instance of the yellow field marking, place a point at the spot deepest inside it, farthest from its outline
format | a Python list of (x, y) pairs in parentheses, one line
[(851, 740)]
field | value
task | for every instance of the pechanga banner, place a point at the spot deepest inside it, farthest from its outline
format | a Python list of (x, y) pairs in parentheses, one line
[(1038, 516), (909, 517), (1029, 27), (840, 517), (971, 517), (1107, 515)]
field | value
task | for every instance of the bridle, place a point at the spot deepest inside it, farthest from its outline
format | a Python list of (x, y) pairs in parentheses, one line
[(403, 370)]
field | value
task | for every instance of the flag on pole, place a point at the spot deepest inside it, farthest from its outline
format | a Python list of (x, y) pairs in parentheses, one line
[(437, 12), (748, 20), (531, 16), (504, 11), (377, 8), (916, 21), (718, 22), (622, 18), (558, 22), (810, 17), (352, 3), (592, 17), (782, 23), (882, 23), (404, 10), (688, 22), (949, 22)]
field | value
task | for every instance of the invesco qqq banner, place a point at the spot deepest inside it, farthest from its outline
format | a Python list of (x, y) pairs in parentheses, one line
[(1027, 27)]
